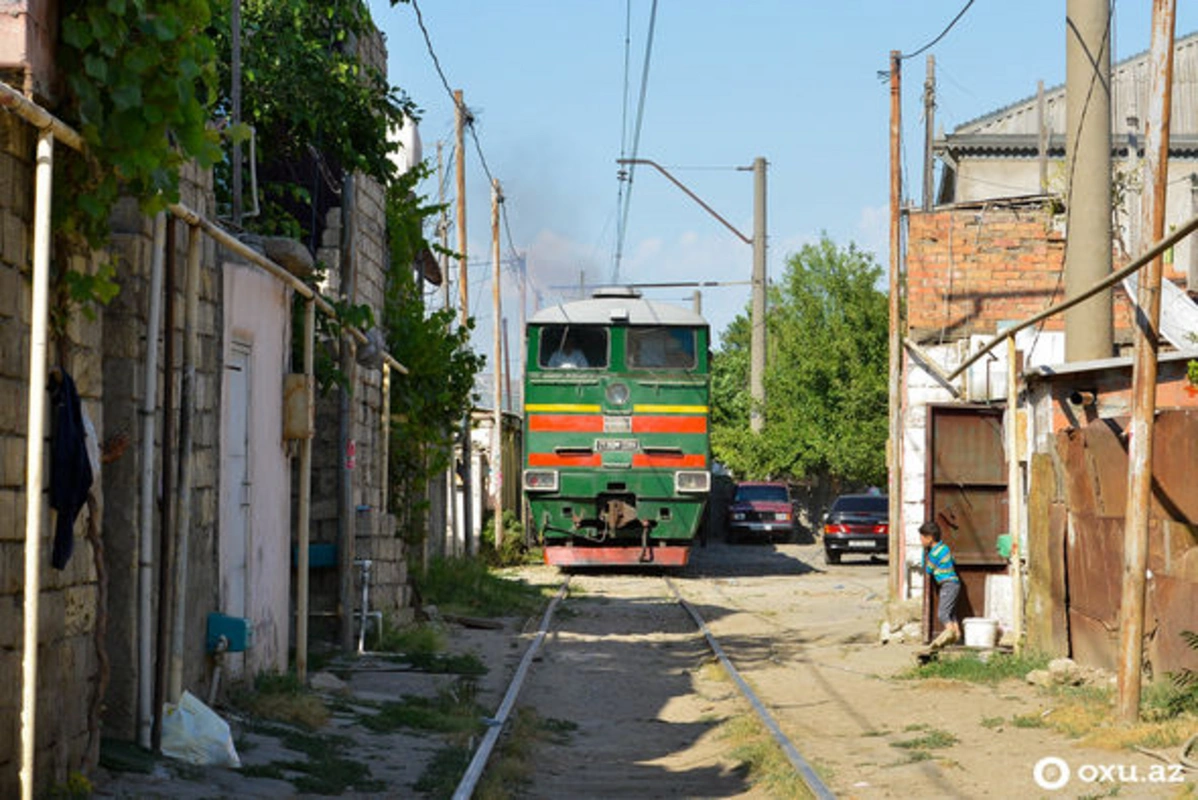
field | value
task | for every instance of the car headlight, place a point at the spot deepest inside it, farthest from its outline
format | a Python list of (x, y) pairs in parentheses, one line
[(617, 394), (738, 516), (540, 480), (692, 481)]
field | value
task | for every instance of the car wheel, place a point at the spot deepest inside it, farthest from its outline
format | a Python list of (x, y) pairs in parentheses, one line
[(832, 556)]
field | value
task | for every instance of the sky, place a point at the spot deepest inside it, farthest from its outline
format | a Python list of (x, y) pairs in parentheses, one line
[(793, 81)]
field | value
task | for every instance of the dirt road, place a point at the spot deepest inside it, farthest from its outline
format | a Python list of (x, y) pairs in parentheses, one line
[(626, 670)]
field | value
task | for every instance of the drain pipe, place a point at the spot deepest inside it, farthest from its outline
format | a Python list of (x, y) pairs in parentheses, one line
[(35, 443), (346, 516), (187, 407), (145, 561)]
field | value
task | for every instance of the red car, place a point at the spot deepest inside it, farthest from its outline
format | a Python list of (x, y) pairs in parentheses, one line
[(761, 509)]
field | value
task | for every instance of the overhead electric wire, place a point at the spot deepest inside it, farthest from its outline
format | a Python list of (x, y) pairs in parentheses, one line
[(636, 140), (932, 43), (466, 115)]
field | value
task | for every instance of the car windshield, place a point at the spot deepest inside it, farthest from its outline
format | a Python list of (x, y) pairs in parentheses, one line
[(875, 503), (771, 494)]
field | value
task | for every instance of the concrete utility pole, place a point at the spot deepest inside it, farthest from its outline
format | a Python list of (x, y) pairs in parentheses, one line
[(929, 121), (1144, 371), (757, 357), (1088, 327), (1042, 137), (497, 371), (463, 297), (757, 344), (894, 445)]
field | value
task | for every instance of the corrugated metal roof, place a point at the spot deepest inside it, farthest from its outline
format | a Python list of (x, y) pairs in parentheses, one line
[(1129, 87)]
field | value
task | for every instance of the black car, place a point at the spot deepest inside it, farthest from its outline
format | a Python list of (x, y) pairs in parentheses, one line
[(857, 523)]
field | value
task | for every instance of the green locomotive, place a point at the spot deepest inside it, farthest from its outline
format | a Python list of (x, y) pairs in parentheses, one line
[(617, 461)]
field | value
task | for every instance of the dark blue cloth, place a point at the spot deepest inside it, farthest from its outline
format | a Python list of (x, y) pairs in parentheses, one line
[(70, 469)]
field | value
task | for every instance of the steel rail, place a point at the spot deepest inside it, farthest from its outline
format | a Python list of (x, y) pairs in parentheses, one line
[(809, 776), (477, 764)]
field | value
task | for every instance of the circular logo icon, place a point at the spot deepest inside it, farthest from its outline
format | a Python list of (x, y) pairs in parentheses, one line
[(1051, 773)]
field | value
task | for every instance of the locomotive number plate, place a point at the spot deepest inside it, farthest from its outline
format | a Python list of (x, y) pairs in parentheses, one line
[(617, 425), (616, 445)]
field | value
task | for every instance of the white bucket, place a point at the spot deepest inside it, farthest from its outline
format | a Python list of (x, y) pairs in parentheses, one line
[(980, 631)]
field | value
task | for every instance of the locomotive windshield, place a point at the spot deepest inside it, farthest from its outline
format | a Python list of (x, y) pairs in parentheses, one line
[(661, 348), (573, 347)]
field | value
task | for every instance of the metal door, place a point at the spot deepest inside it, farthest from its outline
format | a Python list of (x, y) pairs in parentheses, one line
[(967, 495)]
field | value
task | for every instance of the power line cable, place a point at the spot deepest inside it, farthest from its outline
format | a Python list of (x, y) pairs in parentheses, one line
[(636, 141), (932, 43)]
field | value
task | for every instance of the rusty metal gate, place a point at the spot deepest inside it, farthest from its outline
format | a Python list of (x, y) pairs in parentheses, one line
[(966, 493)]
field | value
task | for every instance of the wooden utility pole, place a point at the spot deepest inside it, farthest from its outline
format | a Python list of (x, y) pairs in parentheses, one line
[(497, 371), (1144, 371), (1014, 493), (1089, 331), (929, 122), (757, 340), (894, 446), (464, 300)]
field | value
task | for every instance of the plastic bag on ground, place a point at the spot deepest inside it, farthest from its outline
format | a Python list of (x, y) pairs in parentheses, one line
[(194, 733)]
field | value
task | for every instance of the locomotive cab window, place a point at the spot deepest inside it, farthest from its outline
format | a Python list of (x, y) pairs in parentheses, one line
[(661, 348), (572, 347)]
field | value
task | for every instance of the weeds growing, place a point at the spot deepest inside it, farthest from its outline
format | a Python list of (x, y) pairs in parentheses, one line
[(454, 711), (970, 668), (467, 586)]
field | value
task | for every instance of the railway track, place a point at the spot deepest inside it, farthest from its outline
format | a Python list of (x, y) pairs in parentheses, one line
[(633, 644)]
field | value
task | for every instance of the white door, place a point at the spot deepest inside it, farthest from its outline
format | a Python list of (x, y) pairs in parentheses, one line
[(235, 537)]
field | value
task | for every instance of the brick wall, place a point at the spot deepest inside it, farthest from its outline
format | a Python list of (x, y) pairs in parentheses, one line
[(67, 660), (970, 269)]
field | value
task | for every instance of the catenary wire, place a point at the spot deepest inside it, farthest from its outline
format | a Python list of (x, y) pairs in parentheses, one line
[(636, 139)]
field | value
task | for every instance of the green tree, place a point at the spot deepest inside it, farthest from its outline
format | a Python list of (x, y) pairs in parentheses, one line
[(429, 402), (319, 111), (826, 381)]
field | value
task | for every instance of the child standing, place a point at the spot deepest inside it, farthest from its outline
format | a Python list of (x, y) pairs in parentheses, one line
[(938, 562)]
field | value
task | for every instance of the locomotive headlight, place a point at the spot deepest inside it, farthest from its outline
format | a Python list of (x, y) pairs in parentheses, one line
[(617, 394), (540, 480), (692, 481)]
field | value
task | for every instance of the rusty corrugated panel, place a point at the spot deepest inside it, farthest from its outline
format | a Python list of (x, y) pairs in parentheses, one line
[(1172, 606), (1094, 560), (1079, 486), (1058, 526), (1092, 642), (1174, 465), (1106, 459)]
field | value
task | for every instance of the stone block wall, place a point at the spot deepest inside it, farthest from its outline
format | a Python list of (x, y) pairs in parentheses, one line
[(375, 535), (67, 653)]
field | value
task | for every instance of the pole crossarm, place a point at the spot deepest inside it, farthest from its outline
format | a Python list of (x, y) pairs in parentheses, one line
[(1115, 277), (689, 193)]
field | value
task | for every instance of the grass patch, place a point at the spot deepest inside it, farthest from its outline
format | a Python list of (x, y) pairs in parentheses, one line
[(443, 773), (970, 668), (453, 711), (1029, 721), (511, 767), (421, 646), (324, 768), (992, 722), (760, 759), (933, 739), (1087, 713), (467, 586), (282, 698)]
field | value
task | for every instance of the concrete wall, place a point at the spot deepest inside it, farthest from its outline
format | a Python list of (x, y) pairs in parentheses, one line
[(67, 652)]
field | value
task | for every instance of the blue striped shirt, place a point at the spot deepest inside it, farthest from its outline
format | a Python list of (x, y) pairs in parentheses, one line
[(939, 563)]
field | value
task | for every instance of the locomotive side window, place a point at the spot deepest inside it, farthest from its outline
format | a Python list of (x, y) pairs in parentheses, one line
[(661, 348), (572, 347)]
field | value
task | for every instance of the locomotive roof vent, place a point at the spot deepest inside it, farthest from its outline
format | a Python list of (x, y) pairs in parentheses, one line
[(619, 292)]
